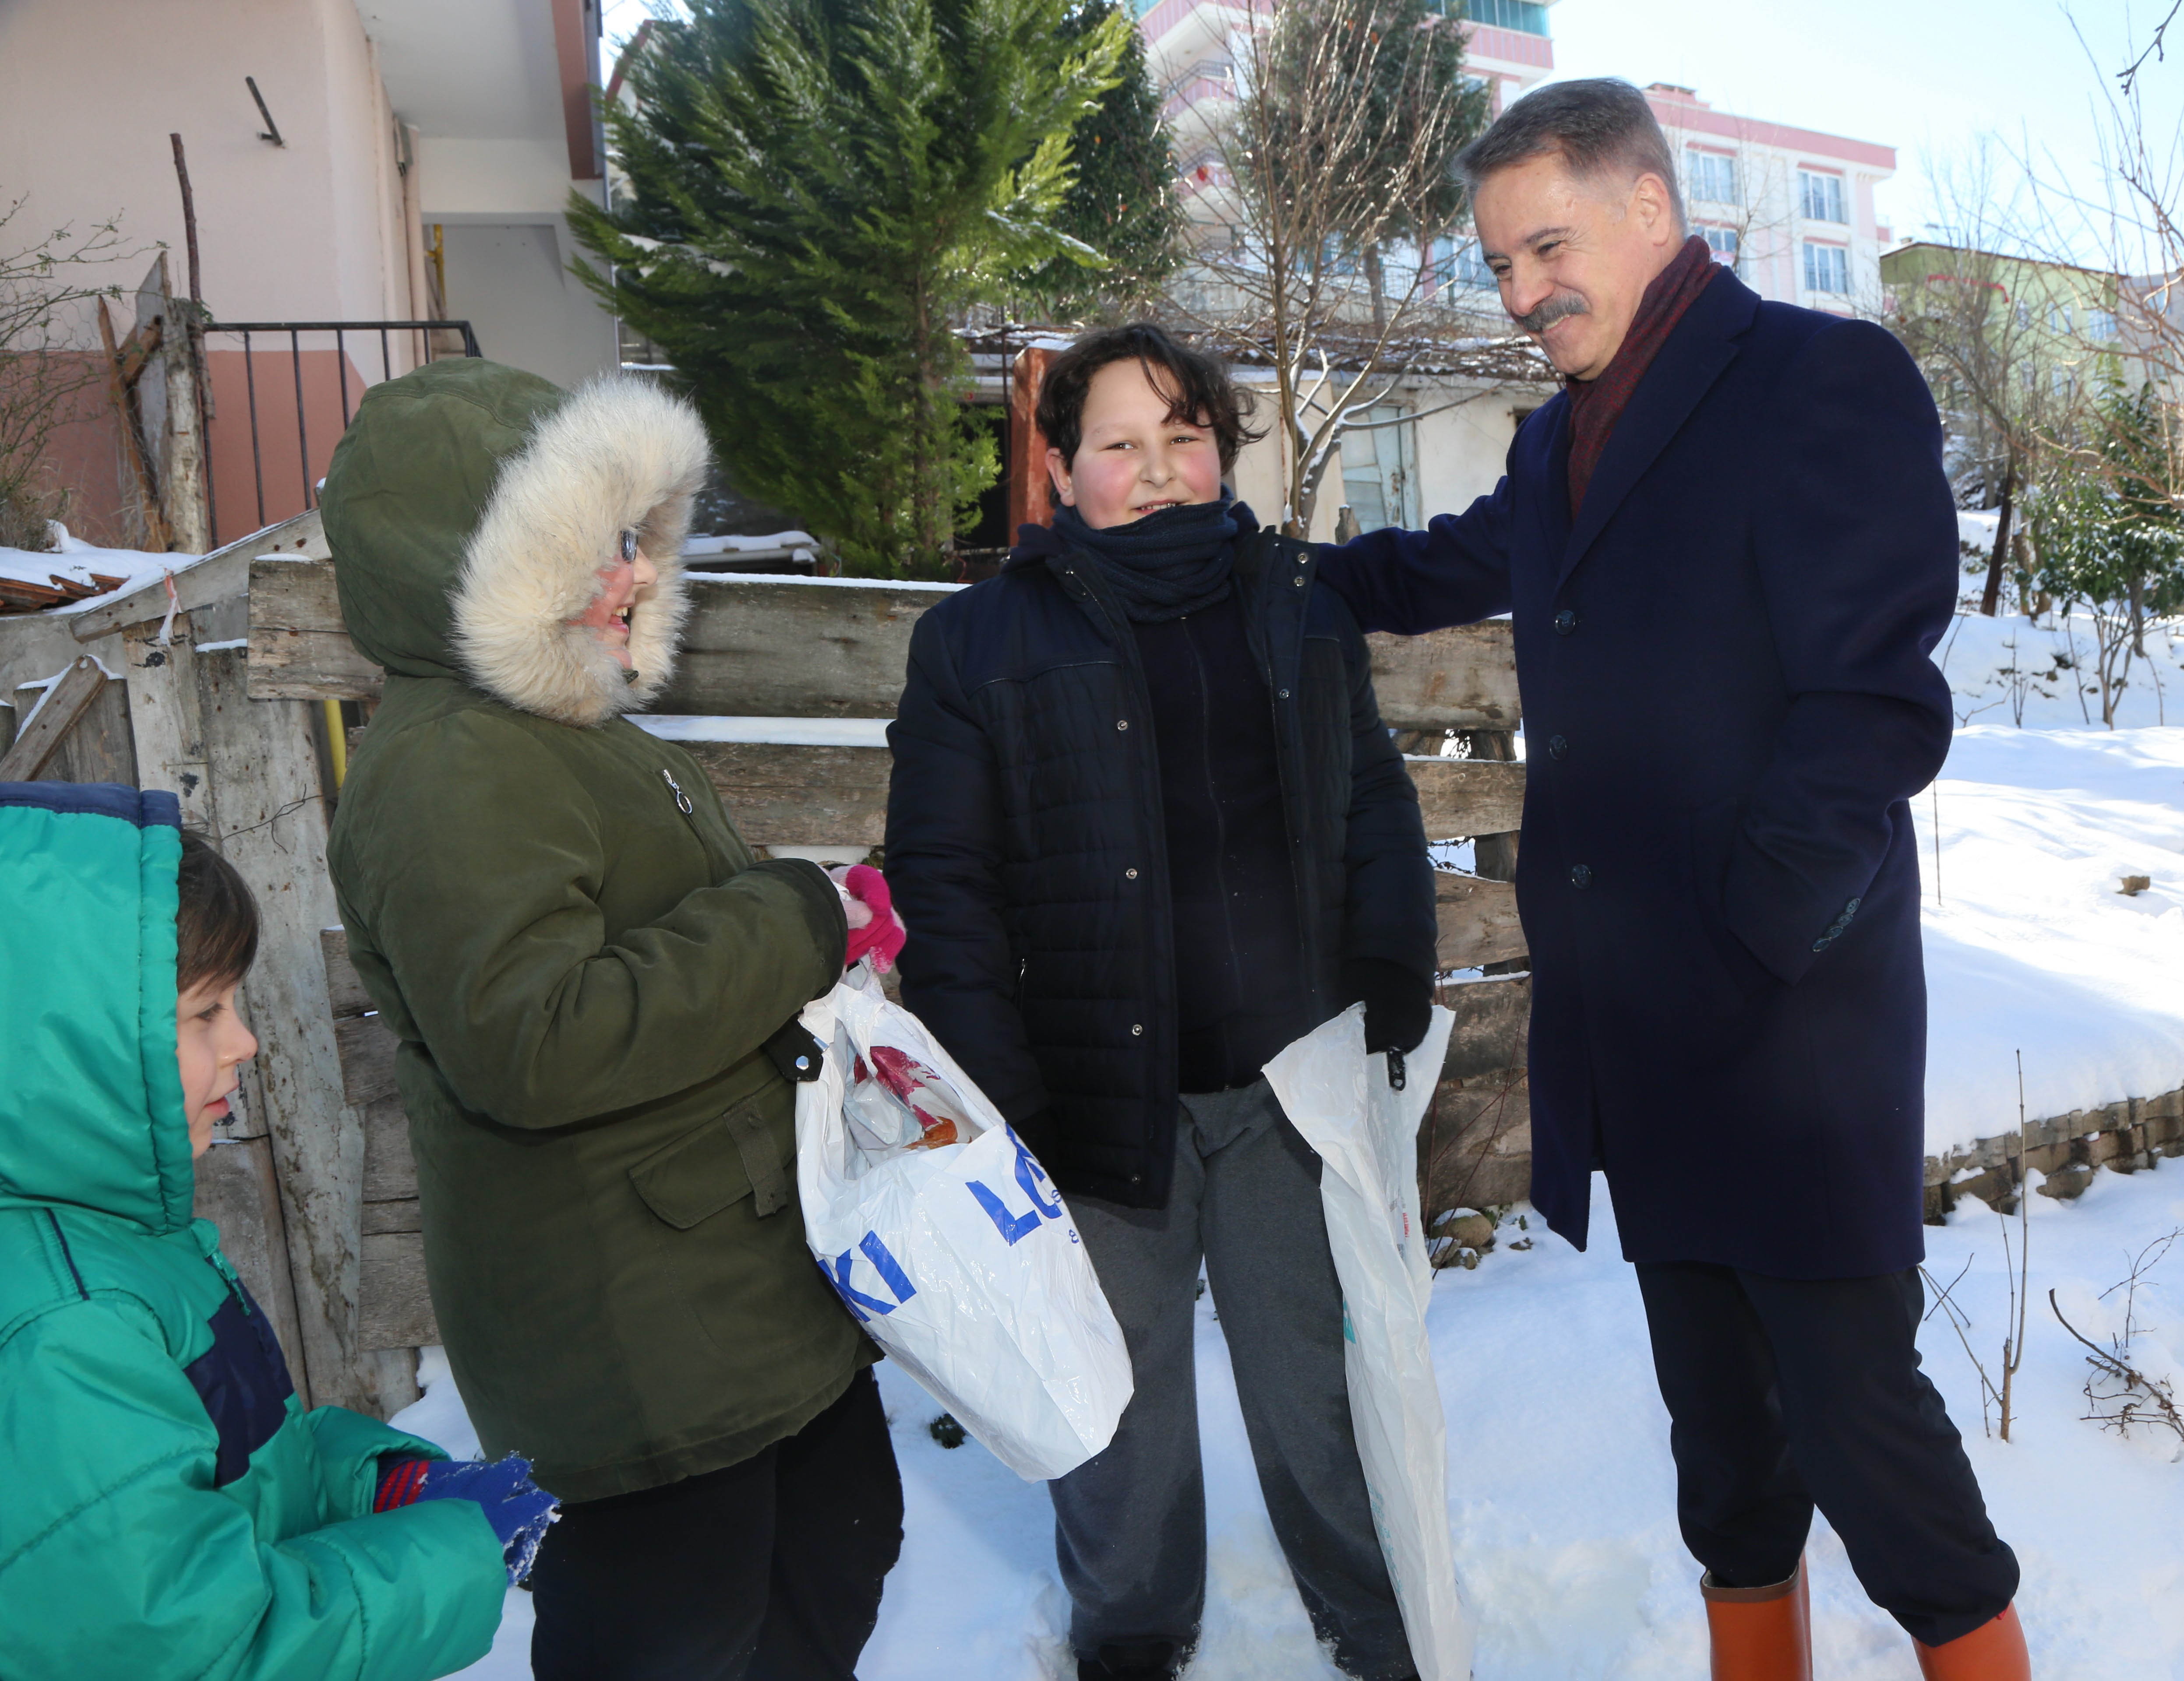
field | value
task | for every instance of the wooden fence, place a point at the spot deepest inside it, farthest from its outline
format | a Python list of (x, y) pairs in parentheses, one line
[(312, 1183)]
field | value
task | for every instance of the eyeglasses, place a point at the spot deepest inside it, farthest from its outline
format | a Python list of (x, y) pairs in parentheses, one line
[(629, 547)]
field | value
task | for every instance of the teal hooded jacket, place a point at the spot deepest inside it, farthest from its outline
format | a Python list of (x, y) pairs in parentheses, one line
[(167, 1508)]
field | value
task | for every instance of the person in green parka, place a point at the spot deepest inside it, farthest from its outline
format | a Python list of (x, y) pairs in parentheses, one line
[(584, 964), (167, 1507)]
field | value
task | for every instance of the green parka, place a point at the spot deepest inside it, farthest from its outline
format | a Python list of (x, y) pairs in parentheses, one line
[(581, 957), (167, 1508)]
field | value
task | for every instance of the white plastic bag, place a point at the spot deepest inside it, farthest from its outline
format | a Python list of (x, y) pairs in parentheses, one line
[(1367, 1134), (946, 1238)]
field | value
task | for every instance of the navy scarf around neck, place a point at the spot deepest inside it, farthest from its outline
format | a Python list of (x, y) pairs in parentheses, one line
[(1167, 564)]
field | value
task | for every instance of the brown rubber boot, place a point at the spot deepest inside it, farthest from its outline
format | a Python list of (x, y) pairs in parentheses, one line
[(1761, 1633), (1994, 1651)]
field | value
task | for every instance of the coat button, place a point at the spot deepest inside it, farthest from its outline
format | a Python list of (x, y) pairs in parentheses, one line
[(1122, 723), (1580, 875), (1557, 747), (1299, 583), (1565, 622), (1130, 875), (1137, 1029), (1282, 694)]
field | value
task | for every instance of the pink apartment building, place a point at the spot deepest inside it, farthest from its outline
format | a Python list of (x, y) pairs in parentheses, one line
[(411, 159), (1792, 209)]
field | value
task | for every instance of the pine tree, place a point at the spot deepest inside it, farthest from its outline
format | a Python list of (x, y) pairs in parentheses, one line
[(1123, 202), (819, 190)]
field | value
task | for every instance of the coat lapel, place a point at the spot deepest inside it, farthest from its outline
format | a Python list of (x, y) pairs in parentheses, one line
[(1703, 343)]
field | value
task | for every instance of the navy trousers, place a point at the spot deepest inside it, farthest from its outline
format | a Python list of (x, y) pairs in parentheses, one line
[(769, 1570), (1787, 1393)]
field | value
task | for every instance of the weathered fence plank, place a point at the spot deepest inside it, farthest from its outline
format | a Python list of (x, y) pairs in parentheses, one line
[(828, 649), (72, 695), (272, 828), (392, 1302), (299, 648), (396, 1310), (1460, 797), (165, 724), (800, 796), (1493, 1017), (1460, 679), (1478, 921), (791, 795)]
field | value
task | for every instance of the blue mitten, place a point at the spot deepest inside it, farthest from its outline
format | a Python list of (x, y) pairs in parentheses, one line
[(518, 1509)]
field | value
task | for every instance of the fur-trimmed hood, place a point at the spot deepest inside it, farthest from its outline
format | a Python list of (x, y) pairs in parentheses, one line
[(469, 508)]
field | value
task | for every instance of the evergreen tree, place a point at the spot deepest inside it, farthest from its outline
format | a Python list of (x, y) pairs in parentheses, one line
[(1123, 202), (820, 190)]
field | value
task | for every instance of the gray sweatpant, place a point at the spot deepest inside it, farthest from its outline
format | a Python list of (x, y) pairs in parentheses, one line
[(1130, 1523)]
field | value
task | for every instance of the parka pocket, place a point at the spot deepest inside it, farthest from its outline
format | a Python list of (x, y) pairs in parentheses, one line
[(715, 1167)]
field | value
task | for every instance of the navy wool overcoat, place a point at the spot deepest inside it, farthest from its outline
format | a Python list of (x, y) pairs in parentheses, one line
[(1728, 703)]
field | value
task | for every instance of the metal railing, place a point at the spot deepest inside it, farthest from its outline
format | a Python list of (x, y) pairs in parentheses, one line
[(294, 331)]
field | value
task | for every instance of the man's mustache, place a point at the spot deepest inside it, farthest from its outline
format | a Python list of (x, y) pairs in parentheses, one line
[(1551, 309)]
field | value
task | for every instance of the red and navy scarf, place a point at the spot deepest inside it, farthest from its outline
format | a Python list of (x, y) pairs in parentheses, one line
[(1595, 404)]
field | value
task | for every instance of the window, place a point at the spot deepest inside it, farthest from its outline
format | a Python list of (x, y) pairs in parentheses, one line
[(1377, 462), (2100, 324), (1820, 197), (1526, 17), (1827, 268), (2059, 318), (1460, 264), (1714, 176), (2024, 316), (1722, 242)]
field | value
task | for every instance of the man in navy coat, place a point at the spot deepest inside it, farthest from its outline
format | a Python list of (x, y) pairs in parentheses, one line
[(1728, 547)]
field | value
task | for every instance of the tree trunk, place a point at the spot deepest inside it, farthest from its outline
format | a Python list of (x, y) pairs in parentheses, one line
[(1373, 279), (1991, 597), (2137, 592)]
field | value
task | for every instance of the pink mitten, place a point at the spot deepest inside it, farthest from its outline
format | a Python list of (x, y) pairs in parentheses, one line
[(877, 934)]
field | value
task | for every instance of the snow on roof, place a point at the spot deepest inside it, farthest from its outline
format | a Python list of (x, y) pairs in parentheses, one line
[(87, 565)]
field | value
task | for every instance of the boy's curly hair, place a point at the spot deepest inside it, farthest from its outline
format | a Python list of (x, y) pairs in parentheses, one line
[(216, 922), (1198, 389)]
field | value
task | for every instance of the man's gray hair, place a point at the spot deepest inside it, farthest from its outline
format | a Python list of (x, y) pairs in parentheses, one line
[(1601, 127)]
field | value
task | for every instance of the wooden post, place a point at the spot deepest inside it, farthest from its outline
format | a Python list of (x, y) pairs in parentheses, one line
[(273, 829), (180, 439), (163, 719), (1031, 490), (117, 391)]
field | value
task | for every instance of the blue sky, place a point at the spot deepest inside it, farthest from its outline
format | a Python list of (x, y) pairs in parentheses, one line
[(1926, 77)]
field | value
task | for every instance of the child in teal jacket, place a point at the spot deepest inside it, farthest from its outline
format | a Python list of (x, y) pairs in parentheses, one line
[(167, 1508)]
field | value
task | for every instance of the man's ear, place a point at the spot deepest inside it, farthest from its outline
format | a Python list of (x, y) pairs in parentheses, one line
[(1058, 470), (1655, 211)]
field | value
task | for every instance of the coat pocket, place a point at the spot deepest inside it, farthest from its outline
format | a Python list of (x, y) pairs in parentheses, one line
[(715, 1167)]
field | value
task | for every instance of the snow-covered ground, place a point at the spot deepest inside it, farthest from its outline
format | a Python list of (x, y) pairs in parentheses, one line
[(2030, 945), (1562, 1495)]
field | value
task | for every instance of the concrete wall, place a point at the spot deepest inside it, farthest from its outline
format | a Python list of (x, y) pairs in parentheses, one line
[(510, 281), (91, 89)]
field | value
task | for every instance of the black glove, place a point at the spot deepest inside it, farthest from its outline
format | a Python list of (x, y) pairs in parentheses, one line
[(1398, 1004)]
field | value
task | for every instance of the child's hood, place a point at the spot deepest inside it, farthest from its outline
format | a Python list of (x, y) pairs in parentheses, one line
[(91, 1099), (469, 508)]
